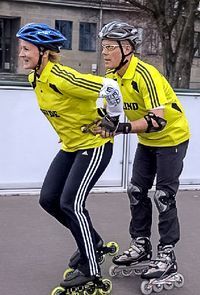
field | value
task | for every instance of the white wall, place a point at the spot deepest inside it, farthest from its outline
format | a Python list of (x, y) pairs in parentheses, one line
[(191, 171), (28, 144)]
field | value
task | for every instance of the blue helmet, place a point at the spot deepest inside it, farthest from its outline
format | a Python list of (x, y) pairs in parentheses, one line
[(41, 35)]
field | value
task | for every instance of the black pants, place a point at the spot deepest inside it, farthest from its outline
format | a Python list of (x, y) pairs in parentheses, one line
[(166, 164), (68, 182)]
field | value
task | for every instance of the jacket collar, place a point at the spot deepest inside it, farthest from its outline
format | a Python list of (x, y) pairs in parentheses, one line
[(46, 72), (130, 72)]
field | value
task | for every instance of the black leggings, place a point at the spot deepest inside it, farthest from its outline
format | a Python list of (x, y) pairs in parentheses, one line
[(67, 184), (166, 163)]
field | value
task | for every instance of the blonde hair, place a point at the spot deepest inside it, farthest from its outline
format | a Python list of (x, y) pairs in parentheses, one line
[(54, 56)]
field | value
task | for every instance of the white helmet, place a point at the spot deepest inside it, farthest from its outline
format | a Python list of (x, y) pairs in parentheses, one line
[(120, 31)]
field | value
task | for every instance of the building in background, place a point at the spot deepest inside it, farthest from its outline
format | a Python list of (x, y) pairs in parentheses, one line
[(80, 22)]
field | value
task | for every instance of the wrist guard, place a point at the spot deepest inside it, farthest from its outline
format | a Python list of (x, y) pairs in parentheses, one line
[(124, 128), (150, 117)]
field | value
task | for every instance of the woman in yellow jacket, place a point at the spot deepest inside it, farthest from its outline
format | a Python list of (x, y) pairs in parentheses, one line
[(68, 100)]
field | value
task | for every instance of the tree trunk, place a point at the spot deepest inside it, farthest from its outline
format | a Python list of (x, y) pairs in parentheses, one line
[(175, 21), (178, 47), (177, 65)]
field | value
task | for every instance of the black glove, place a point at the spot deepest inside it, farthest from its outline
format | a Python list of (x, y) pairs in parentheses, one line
[(110, 124)]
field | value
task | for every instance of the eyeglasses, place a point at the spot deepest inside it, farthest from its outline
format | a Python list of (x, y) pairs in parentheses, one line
[(109, 47)]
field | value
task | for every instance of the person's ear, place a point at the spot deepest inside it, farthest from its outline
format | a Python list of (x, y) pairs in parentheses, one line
[(45, 53), (128, 49)]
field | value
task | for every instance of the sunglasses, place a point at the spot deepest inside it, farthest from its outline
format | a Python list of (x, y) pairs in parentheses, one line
[(109, 47)]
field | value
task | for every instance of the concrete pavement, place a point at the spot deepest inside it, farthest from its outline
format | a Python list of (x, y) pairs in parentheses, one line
[(35, 248)]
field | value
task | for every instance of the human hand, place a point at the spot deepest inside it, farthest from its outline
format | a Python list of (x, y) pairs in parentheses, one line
[(107, 126)]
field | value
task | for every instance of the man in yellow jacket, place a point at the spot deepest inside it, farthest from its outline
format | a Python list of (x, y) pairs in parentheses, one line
[(156, 115)]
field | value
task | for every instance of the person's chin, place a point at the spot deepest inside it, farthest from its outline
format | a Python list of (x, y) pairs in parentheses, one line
[(27, 67), (108, 66)]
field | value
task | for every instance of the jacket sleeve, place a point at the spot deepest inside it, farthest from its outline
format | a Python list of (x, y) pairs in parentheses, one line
[(112, 94)]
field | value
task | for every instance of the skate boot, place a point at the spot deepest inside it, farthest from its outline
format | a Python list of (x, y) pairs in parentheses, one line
[(78, 282), (102, 249), (162, 272), (134, 260)]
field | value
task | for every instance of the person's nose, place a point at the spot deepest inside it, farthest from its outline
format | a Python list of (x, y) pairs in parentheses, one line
[(21, 53), (104, 51)]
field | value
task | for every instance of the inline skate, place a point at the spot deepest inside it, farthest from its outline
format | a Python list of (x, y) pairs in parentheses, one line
[(162, 272), (110, 248), (77, 283), (133, 261)]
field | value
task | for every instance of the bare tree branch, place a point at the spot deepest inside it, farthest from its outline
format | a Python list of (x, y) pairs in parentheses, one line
[(138, 4), (175, 22)]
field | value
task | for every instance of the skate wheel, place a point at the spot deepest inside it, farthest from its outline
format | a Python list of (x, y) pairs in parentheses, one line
[(106, 288), (90, 289), (179, 282), (126, 272), (146, 288), (67, 272), (101, 259), (138, 272), (111, 271), (86, 292), (114, 248), (157, 288), (58, 291), (168, 286)]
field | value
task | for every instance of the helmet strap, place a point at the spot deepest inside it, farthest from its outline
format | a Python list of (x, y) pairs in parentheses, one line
[(41, 53), (123, 59)]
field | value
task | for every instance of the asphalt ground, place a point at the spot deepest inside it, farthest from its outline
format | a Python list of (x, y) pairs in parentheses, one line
[(35, 248)]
